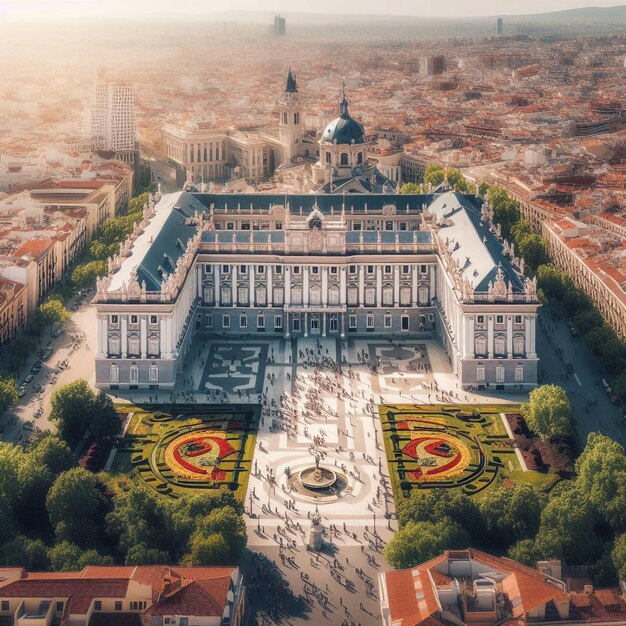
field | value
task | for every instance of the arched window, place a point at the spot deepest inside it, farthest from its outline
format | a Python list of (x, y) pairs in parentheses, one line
[(134, 374), (518, 345), (133, 345), (114, 346), (499, 345), (344, 158), (153, 345), (480, 345), (359, 158), (328, 157)]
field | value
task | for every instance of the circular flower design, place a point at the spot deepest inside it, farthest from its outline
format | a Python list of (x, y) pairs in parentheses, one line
[(197, 455), (441, 456)]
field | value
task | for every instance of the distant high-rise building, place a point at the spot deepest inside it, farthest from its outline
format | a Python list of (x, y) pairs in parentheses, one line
[(499, 26), (430, 66), (110, 117), (280, 25)]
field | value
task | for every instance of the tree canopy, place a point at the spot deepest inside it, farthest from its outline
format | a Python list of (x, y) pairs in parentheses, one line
[(548, 412)]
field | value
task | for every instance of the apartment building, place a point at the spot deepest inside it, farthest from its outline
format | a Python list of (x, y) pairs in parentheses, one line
[(155, 595)]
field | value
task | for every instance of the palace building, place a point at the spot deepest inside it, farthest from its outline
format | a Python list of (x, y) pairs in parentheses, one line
[(291, 266)]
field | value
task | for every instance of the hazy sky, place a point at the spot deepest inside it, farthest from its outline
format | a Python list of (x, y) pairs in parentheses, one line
[(50, 9)]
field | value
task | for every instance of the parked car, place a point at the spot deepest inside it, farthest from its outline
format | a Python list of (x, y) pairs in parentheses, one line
[(28, 379), (47, 353), (21, 392), (57, 332)]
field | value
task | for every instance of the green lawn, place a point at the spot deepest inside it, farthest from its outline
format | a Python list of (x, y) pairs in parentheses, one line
[(187, 449), (452, 447)]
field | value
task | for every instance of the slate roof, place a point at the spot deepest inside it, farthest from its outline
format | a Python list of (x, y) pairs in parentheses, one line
[(475, 247)]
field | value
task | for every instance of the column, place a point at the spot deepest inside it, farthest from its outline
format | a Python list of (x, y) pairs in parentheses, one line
[(144, 336), (234, 276), (305, 285), (469, 337), (103, 338), (396, 285), (306, 324), (270, 285), (342, 324), (490, 336), (509, 337), (163, 339), (324, 287), (218, 291), (199, 270), (414, 285), (251, 273), (287, 295), (287, 323), (433, 283), (379, 285), (324, 324), (124, 336), (533, 339), (527, 336), (343, 294), (361, 284)]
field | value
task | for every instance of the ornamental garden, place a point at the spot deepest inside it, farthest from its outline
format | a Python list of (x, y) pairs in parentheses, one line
[(453, 447), (188, 449)]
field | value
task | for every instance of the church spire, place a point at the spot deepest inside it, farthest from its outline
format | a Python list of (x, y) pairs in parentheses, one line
[(291, 86), (343, 105)]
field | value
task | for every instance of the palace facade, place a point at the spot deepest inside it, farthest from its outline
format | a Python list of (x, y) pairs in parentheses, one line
[(295, 266)]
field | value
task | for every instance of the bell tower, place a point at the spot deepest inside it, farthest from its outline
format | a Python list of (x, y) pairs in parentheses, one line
[(289, 122)]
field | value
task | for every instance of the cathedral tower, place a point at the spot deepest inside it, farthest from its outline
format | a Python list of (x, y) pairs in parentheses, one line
[(289, 123)]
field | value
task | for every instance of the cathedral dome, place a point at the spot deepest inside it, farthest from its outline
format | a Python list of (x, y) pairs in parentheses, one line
[(344, 130)]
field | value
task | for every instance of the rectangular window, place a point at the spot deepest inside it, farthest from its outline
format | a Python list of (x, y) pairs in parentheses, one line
[(59, 607), (208, 269), (208, 320), (296, 324), (278, 295), (369, 322), (296, 269), (134, 319), (97, 605), (406, 269), (134, 374), (243, 322), (225, 269), (499, 319), (518, 319), (114, 319), (519, 374), (243, 269), (352, 321), (260, 321), (353, 296), (278, 269), (387, 269), (352, 269), (5, 605), (333, 269), (404, 322), (243, 294), (154, 319), (388, 225), (387, 296), (370, 296), (118, 605), (370, 269), (225, 296), (315, 269), (405, 296), (225, 321), (480, 374), (480, 319), (154, 374), (278, 322), (387, 321), (230, 226), (260, 269), (500, 374)]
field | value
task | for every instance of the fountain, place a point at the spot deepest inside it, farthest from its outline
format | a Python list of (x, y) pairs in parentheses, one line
[(318, 478)]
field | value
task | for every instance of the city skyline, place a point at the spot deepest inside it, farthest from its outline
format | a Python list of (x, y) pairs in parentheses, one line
[(38, 10)]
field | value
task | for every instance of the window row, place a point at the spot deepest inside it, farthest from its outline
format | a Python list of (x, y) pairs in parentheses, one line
[(133, 374), (387, 270), (500, 374), (133, 347), (134, 320), (499, 345)]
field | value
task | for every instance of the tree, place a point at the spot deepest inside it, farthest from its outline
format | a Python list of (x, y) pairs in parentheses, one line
[(510, 513), (618, 555), (66, 556), (24, 552), (548, 412), (84, 275), (524, 551), (505, 209), (71, 409), (409, 188), (620, 386), (601, 470), (21, 348), (105, 420), (434, 175), (567, 529), (227, 523), (587, 320), (136, 204), (210, 550), (74, 505), (459, 183), (53, 453), (8, 393), (534, 250), (483, 189), (419, 541), (435, 505), (142, 555), (552, 281), (520, 230), (53, 311)]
